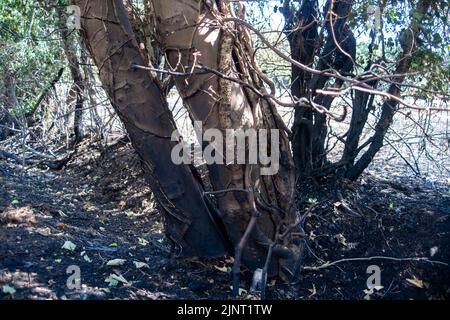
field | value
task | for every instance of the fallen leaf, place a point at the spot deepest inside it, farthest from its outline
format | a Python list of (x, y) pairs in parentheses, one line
[(62, 214), (114, 280), (433, 251), (341, 239), (371, 291), (111, 281), (69, 245), (229, 260), (313, 290), (222, 269), (88, 205), (416, 282), (130, 213), (368, 292), (142, 242), (8, 290), (116, 262), (44, 231), (140, 265)]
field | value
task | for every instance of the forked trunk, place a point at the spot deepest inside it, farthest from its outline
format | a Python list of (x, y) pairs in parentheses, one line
[(137, 100), (213, 55)]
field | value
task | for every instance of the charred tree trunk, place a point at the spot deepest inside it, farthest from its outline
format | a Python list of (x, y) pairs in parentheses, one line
[(196, 35), (339, 54), (301, 29), (310, 128), (363, 104), (137, 100)]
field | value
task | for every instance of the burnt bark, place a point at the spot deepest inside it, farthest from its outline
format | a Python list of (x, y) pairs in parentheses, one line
[(363, 104), (339, 53), (195, 34), (137, 100), (310, 128), (301, 29)]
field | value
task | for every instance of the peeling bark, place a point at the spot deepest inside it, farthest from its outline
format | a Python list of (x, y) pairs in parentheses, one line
[(193, 33), (137, 100)]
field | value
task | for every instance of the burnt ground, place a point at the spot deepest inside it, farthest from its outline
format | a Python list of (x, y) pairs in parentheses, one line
[(102, 205)]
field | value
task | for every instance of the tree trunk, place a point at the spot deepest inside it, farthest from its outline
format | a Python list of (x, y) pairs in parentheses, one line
[(301, 29), (77, 87), (339, 54), (137, 100), (197, 34), (310, 128)]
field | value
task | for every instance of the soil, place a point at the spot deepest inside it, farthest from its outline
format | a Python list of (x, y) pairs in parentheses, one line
[(101, 204)]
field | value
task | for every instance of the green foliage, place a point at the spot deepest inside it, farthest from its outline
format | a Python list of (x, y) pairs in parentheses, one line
[(431, 60), (30, 48)]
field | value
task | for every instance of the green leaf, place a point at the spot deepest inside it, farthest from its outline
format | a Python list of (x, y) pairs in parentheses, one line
[(8, 290), (114, 279), (113, 282), (130, 213), (69, 245)]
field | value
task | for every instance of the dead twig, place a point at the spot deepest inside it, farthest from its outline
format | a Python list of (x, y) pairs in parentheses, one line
[(334, 263)]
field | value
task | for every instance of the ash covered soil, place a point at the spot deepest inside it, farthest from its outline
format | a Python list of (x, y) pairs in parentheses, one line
[(99, 210)]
